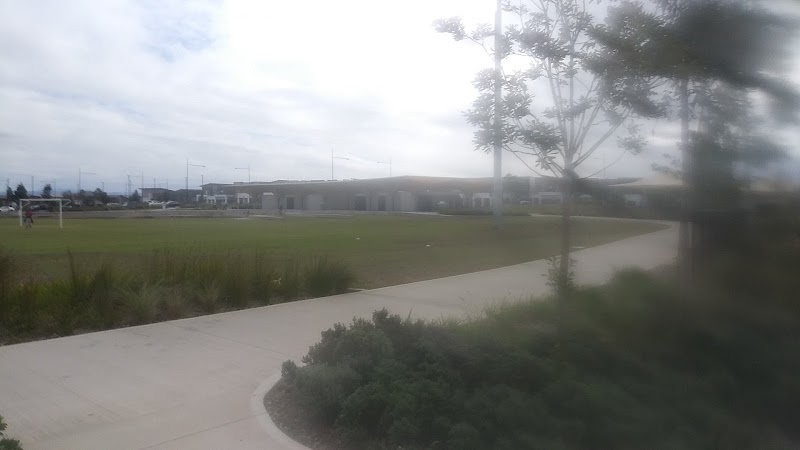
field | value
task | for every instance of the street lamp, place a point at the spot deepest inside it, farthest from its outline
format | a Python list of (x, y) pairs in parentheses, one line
[(335, 157), (245, 168), (187, 176)]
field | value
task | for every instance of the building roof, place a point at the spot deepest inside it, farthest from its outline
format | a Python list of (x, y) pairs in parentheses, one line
[(655, 181), (400, 183)]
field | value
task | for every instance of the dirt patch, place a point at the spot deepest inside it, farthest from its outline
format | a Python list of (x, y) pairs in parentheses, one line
[(292, 418)]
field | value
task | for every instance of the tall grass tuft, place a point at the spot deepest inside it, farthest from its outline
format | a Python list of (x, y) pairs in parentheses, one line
[(7, 271), (172, 285), (288, 284), (326, 277)]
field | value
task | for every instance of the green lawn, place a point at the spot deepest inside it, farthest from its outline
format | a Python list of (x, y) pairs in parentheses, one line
[(382, 250)]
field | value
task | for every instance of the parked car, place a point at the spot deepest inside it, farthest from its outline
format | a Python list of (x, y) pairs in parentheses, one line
[(171, 204), (7, 209)]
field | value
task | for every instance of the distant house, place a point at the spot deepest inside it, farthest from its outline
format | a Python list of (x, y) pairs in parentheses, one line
[(156, 194), (405, 193)]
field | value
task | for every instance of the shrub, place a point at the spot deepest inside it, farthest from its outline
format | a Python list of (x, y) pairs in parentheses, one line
[(635, 366), (5, 442)]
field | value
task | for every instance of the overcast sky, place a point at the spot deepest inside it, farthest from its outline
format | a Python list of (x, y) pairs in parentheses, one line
[(126, 87)]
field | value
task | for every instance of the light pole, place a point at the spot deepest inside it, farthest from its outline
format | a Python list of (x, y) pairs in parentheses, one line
[(80, 173), (387, 163), (247, 169), (187, 176), (335, 157)]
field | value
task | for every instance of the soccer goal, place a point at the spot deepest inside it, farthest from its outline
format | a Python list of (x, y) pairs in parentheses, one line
[(29, 201)]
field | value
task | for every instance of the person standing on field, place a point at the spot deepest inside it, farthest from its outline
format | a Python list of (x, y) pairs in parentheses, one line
[(28, 218)]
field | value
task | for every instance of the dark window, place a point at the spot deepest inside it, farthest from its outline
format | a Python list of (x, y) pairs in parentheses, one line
[(360, 203)]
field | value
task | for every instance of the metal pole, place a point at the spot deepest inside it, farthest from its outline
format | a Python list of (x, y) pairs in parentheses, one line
[(332, 178), (32, 186), (79, 180), (60, 215), (497, 191), (187, 179)]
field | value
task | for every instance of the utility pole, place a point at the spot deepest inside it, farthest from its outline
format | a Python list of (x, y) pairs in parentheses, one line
[(80, 173), (31, 185), (187, 176), (497, 191)]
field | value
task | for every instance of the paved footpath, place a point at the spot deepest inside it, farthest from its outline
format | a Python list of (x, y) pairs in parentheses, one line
[(198, 383)]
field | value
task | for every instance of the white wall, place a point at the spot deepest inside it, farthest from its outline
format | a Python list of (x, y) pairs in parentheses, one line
[(405, 202), (313, 202)]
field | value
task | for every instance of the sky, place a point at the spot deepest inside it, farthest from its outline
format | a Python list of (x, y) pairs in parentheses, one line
[(133, 89)]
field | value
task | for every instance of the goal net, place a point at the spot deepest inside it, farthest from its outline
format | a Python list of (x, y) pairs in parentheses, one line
[(30, 201)]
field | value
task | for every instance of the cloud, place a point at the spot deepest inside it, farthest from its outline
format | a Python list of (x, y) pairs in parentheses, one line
[(124, 87)]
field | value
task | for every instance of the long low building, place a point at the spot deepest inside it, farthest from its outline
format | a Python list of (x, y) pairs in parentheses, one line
[(405, 193)]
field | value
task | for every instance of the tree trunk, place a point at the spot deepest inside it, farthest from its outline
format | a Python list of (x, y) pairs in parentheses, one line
[(684, 232), (566, 234), (497, 189)]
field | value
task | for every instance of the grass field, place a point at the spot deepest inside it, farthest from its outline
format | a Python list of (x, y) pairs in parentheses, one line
[(381, 250)]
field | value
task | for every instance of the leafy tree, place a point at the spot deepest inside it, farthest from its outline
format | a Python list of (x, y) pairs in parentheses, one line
[(590, 98), (712, 72), (135, 197), (21, 192), (68, 194), (101, 196), (10, 194), (47, 191)]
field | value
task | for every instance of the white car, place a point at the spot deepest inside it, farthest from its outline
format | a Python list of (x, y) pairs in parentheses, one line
[(7, 209)]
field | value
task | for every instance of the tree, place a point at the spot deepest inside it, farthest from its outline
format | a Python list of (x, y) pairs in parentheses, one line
[(10, 197), (47, 191), (135, 197), (590, 99), (713, 73), (101, 196), (21, 192)]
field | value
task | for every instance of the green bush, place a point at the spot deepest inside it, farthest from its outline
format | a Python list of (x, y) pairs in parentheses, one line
[(5, 442), (634, 366)]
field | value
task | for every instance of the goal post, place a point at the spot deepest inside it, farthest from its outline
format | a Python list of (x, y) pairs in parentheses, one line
[(60, 201)]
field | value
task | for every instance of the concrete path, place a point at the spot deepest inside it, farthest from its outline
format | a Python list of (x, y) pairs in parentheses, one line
[(194, 383)]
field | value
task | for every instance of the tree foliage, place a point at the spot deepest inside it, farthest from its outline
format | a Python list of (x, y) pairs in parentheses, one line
[(5, 442), (570, 100), (572, 97), (21, 191), (47, 191), (135, 197)]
